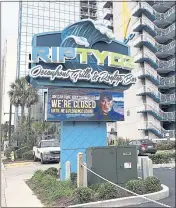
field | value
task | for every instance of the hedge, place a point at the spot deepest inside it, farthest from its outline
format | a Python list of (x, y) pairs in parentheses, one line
[(150, 185), (163, 157), (165, 145)]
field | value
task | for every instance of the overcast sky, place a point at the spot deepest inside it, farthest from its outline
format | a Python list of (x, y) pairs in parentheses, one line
[(9, 19)]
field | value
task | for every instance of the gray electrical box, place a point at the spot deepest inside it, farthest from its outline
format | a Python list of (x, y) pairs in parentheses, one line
[(118, 164)]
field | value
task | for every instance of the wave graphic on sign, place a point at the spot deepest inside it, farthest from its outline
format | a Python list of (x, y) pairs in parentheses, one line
[(85, 34)]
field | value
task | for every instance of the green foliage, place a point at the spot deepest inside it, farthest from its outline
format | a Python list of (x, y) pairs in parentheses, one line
[(82, 195), (95, 187), (52, 171), (28, 155), (108, 191), (20, 152), (163, 157), (165, 145), (136, 186), (73, 179), (152, 184), (49, 188), (121, 141), (8, 152)]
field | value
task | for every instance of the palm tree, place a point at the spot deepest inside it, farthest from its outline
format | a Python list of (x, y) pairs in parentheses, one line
[(22, 94)]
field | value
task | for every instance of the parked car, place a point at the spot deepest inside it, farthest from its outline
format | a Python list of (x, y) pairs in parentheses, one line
[(46, 151), (144, 146)]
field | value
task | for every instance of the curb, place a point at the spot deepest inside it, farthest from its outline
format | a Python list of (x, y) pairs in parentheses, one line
[(127, 201), (167, 165)]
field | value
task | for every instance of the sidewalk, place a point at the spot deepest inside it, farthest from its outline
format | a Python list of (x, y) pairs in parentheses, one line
[(3, 186), (16, 193)]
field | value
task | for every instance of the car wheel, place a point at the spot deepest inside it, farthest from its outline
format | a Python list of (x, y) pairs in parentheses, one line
[(35, 158), (42, 161)]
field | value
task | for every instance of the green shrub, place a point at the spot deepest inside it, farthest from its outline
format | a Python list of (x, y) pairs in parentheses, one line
[(49, 188), (108, 191), (8, 152), (28, 155), (52, 171), (20, 152), (152, 184), (82, 195), (121, 141), (136, 186), (163, 157), (73, 179), (95, 187), (165, 145)]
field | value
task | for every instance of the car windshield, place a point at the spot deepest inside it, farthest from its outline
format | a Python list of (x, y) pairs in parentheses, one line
[(50, 143), (146, 141)]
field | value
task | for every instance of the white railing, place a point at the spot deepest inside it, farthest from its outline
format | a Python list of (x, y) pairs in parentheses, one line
[(165, 116), (163, 98), (159, 129), (167, 81), (166, 64), (159, 31), (148, 70), (88, 5), (150, 39), (165, 32), (160, 16)]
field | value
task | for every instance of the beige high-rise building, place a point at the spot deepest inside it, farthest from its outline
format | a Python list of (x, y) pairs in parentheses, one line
[(150, 103)]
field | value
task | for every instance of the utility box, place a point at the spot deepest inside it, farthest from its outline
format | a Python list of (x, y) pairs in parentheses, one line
[(118, 164)]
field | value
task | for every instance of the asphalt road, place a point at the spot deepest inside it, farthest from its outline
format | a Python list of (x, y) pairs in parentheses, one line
[(167, 177)]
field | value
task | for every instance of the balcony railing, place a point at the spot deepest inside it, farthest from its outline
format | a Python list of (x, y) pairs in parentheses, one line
[(167, 81), (157, 130), (157, 112), (91, 14), (154, 14), (153, 28), (164, 99), (155, 45), (165, 32), (166, 64), (153, 76)]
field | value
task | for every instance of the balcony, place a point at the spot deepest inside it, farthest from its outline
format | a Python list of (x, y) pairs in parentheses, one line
[(161, 35), (146, 56), (163, 99), (85, 15), (167, 99), (164, 35), (156, 112), (163, 5), (161, 50), (166, 66), (157, 130), (166, 82), (108, 15), (86, 6), (108, 5), (149, 73), (150, 91), (164, 51), (143, 23), (152, 75), (160, 19)]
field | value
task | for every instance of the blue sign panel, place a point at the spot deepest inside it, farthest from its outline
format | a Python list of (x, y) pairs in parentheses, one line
[(85, 105)]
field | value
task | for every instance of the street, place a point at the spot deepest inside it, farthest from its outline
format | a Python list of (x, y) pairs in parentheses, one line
[(167, 177)]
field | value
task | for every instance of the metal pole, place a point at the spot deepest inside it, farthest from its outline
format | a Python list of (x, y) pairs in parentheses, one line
[(10, 119), (1, 79)]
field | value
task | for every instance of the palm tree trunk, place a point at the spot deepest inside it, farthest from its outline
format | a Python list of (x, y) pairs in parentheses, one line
[(22, 116)]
